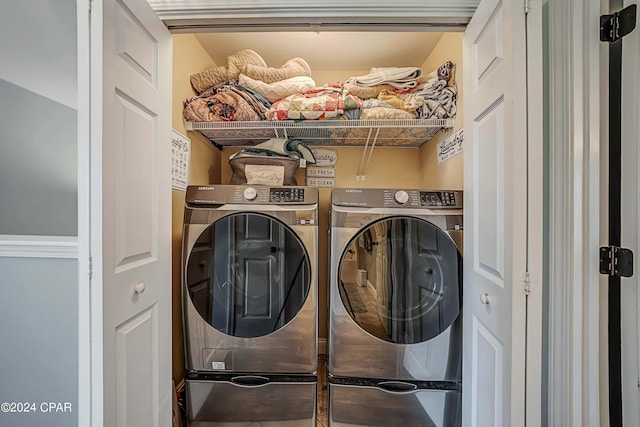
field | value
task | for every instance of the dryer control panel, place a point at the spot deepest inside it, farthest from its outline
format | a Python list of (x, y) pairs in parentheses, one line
[(397, 198), (439, 199), (286, 195)]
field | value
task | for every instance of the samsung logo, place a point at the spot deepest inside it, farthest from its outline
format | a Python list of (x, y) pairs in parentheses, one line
[(353, 191), (206, 188)]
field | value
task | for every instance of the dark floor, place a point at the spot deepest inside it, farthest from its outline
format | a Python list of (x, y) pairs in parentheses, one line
[(322, 391)]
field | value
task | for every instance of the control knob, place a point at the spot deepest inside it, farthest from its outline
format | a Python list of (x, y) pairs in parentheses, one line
[(250, 193), (401, 197)]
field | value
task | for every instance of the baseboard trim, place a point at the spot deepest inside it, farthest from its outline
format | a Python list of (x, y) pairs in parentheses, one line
[(38, 247)]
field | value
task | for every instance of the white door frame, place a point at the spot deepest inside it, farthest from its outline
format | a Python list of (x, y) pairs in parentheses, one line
[(85, 333), (574, 393)]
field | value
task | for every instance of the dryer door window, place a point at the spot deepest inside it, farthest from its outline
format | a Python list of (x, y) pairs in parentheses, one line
[(248, 275), (400, 279)]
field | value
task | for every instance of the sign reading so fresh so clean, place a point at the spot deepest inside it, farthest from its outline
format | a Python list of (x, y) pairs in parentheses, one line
[(450, 147), (323, 173)]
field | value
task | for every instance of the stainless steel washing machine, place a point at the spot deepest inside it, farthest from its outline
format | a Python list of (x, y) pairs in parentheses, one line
[(249, 291), (395, 321)]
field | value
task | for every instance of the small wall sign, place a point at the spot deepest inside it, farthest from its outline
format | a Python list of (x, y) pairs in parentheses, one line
[(326, 172), (321, 182), (180, 155), (325, 156), (451, 146)]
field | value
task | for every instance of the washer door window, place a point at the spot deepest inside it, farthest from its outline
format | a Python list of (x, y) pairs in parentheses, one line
[(248, 275), (401, 280)]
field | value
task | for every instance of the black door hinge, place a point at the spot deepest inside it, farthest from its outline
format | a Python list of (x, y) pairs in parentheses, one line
[(615, 261), (616, 26)]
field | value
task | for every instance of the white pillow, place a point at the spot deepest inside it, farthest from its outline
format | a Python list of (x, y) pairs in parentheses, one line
[(278, 90)]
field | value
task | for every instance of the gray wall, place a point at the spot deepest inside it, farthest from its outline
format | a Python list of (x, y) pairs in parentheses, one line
[(39, 356), (38, 196), (38, 166), (38, 120)]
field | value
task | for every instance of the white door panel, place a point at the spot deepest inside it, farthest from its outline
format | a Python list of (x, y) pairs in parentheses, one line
[(495, 215), (136, 367), (136, 218), (131, 185), (488, 366)]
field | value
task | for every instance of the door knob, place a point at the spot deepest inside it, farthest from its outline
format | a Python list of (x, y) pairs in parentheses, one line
[(138, 288), (484, 298)]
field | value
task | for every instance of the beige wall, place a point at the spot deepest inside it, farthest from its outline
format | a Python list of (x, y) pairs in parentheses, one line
[(448, 174), (188, 58)]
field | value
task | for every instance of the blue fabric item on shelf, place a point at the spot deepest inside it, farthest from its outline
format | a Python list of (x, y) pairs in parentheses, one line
[(279, 147)]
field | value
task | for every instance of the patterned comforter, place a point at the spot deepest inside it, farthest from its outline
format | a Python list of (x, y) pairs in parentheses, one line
[(434, 97), (319, 103)]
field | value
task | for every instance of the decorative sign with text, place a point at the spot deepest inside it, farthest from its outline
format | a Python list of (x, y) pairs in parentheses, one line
[(451, 146), (321, 182), (180, 155), (325, 172), (264, 175), (325, 156)]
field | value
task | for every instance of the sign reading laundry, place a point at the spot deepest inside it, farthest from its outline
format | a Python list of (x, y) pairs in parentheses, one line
[(264, 174), (325, 156), (451, 146)]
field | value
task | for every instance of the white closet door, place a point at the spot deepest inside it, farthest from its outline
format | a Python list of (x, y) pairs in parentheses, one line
[(495, 217), (131, 212)]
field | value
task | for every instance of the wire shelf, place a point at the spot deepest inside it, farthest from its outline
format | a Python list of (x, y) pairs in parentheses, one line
[(401, 133)]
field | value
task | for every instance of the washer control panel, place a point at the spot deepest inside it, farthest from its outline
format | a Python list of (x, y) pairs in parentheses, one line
[(438, 198), (286, 195), (250, 195)]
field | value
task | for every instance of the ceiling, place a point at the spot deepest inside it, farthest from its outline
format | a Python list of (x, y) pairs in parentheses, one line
[(327, 50)]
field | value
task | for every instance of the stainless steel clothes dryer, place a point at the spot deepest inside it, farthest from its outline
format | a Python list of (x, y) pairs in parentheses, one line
[(249, 293), (395, 316)]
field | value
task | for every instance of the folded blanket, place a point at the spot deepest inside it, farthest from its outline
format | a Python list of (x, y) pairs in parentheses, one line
[(378, 109), (397, 77), (319, 103), (385, 114), (226, 102), (278, 90), (294, 67), (405, 101), (241, 59), (440, 106), (207, 78), (365, 92), (235, 62), (279, 147), (439, 99)]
